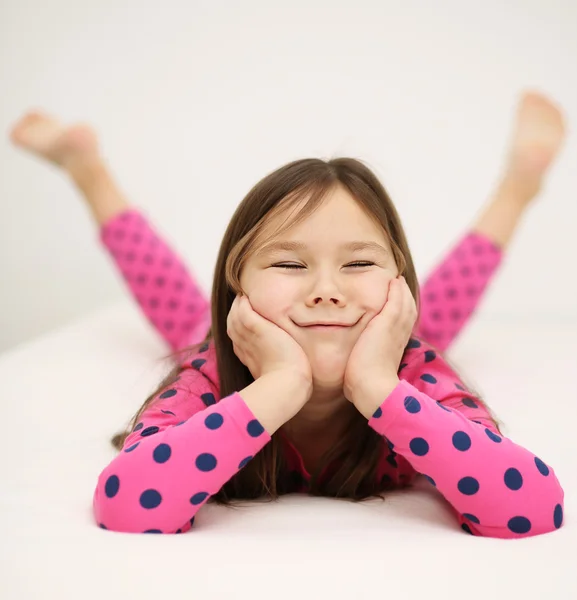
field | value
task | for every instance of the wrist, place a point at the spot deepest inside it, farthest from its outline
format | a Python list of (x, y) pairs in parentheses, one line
[(368, 397)]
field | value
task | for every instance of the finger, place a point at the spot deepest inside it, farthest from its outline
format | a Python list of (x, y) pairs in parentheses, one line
[(399, 303), (235, 320), (409, 309), (412, 305), (232, 313), (245, 313), (391, 311)]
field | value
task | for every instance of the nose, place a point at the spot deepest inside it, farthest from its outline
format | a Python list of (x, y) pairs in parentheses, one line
[(319, 300), (326, 291)]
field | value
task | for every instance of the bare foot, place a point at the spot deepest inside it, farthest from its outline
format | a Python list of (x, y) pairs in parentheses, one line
[(44, 136), (537, 137)]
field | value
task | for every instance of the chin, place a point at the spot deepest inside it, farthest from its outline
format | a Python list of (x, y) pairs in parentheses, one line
[(329, 373), (320, 382)]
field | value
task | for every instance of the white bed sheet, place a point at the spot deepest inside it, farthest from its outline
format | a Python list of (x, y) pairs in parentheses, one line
[(65, 394)]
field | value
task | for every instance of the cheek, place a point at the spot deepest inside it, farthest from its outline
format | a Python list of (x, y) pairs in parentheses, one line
[(271, 301), (375, 293)]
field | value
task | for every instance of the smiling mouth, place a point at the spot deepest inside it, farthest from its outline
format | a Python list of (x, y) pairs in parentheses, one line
[(326, 326)]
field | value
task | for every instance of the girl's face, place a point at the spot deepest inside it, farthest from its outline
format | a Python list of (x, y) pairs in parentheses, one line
[(321, 281)]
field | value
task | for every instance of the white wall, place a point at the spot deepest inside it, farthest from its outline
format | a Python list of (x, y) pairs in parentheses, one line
[(195, 101)]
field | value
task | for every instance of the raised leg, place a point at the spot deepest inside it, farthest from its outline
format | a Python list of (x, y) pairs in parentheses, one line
[(454, 289), (166, 291)]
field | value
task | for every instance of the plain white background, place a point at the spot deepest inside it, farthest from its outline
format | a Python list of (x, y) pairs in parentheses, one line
[(196, 101)]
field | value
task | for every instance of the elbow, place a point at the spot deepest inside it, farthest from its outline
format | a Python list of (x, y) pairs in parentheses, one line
[(534, 515), (119, 505)]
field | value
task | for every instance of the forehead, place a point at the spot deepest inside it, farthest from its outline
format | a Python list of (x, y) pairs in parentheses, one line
[(338, 214), (302, 246), (339, 222)]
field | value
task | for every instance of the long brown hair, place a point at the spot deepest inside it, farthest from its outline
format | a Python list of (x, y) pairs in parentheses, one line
[(359, 452)]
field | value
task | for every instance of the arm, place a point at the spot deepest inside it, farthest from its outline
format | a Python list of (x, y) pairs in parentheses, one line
[(168, 294), (452, 292), (497, 488), (185, 448)]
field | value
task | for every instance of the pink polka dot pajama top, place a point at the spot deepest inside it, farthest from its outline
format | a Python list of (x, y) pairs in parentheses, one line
[(190, 441)]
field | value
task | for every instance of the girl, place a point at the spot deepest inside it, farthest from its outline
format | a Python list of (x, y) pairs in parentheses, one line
[(309, 370)]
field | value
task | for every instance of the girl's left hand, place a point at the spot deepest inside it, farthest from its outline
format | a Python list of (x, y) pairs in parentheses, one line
[(378, 351)]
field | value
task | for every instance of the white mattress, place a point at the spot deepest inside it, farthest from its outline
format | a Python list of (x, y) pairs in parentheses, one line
[(65, 394)]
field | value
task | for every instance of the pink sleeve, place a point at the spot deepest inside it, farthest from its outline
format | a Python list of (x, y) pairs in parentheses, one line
[(452, 292), (498, 488), (184, 449), (167, 293)]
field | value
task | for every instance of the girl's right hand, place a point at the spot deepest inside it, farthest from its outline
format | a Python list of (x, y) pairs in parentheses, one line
[(262, 345)]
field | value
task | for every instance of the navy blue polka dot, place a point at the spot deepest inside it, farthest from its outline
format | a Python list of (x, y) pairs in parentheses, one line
[(203, 348), (167, 412), (168, 394), (254, 428), (493, 436), (378, 413), (152, 531), (430, 355), (149, 431), (392, 460), (443, 407), (150, 499), (402, 366), (455, 314), (543, 468), (468, 486), (214, 421), (558, 516), (466, 528), (199, 498), (428, 378), (390, 444), (139, 426), (244, 462), (208, 399), (103, 526), (419, 446), (205, 462), (430, 480), (197, 363), (471, 518), (131, 448), (470, 403), (460, 387), (413, 343), (519, 525), (112, 485), (412, 405), (162, 453), (461, 441), (513, 479), (179, 531)]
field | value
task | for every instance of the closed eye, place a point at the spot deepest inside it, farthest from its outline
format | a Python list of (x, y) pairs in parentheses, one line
[(293, 266)]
